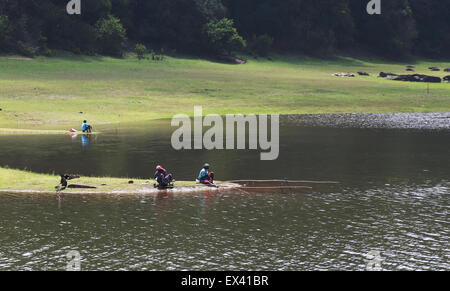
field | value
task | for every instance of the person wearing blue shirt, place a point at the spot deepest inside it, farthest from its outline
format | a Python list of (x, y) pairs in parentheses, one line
[(85, 127), (206, 177)]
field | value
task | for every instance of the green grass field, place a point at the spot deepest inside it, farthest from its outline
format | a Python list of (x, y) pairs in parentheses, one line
[(50, 93)]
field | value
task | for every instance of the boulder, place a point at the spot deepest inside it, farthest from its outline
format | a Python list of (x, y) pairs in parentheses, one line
[(410, 69), (434, 69), (363, 74), (416, 78), (447, 70), (343, 75), (431, 79), (447, 78), (384, 75)]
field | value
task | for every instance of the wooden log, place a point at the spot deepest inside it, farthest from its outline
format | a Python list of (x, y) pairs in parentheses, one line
[(276, 183), (74, 186)]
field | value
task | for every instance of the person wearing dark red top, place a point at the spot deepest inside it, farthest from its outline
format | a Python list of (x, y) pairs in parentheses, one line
[(162, 177)]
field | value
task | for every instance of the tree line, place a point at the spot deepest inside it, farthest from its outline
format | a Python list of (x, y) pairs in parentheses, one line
[(224, 27)]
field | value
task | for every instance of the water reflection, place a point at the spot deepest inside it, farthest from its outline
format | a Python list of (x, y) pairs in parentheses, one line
[(348, 154), (85, 140), (393, 199), (314, 231)]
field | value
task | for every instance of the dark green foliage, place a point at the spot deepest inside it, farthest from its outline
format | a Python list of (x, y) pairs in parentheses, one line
[(318, 27), (261, 45), (111, 36), (141, 51), (5, 33), (43, 48), (222, 37), (433, 24), (297, 25), (156, 57), (25, 50), (392, 33)]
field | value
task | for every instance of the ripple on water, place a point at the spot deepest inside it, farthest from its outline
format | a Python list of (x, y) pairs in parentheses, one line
[(433, 121), (407, 224)]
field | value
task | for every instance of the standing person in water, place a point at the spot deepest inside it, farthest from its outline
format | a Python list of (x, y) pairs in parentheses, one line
[(85, 127), (206, 177), (162, 177)]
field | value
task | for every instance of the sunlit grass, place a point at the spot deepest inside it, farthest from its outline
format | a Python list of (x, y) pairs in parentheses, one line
[(17, 180), (58, 93)]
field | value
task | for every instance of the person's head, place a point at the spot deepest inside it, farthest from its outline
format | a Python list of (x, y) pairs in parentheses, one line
[(84, 121), (206, 166), (158, 168)]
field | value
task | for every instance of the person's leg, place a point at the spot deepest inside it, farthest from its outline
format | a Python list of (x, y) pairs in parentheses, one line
[(159, 179)]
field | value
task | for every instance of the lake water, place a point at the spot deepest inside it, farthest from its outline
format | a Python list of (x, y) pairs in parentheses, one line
[(392, 200)]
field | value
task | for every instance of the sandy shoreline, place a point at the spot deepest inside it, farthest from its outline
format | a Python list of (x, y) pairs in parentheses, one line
[(139, 191)]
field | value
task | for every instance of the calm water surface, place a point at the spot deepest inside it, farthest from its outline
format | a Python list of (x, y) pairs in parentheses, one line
[(393, 198)]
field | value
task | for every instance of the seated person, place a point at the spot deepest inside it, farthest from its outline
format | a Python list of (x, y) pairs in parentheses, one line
[(86, 127), (162, 177), (206, 177), (63, 182)]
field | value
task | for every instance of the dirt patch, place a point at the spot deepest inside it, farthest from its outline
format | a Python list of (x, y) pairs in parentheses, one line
[(18, 58)]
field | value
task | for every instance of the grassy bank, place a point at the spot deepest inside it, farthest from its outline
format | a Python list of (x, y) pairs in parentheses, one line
[(20, 180), (58, 93)]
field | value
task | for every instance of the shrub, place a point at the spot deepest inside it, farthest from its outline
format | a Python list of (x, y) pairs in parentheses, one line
[(222, 37), (25, 50), (43, 48), (111, 36), (156, 57), (141, 51), (5, 33), (261, 45)]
